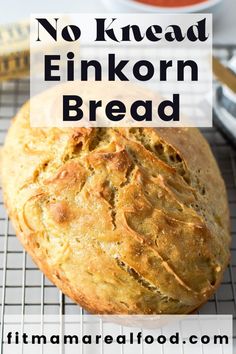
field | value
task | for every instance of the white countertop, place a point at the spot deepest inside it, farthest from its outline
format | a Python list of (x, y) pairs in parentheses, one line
[(13, 10)]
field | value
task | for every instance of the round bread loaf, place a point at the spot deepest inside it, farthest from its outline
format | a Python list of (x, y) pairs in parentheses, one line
[(122, 220)]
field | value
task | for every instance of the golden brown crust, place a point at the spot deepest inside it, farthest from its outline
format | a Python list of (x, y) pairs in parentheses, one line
[(124, 220)]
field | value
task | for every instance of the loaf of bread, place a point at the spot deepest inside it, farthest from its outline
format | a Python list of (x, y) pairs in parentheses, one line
[(122, 220)]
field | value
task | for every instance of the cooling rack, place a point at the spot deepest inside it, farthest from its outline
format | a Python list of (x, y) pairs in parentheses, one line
[(25, 290)]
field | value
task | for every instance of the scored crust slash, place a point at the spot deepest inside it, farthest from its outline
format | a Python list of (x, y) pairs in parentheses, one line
[(122, 220)]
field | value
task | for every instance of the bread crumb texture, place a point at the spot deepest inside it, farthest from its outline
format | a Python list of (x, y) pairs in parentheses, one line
[(122, 220)]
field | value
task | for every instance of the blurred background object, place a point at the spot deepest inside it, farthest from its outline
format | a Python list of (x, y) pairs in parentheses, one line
[(14, 46), (14, 53), (15, 10), (225, 98), (164, 6)]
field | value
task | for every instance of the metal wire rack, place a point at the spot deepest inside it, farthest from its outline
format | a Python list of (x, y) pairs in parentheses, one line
[(25, 290)]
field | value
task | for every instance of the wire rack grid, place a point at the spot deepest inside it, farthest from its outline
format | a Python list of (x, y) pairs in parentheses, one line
[(25, 290)]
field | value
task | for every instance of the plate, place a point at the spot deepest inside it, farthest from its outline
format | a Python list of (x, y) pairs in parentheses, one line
[(138, 7)]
